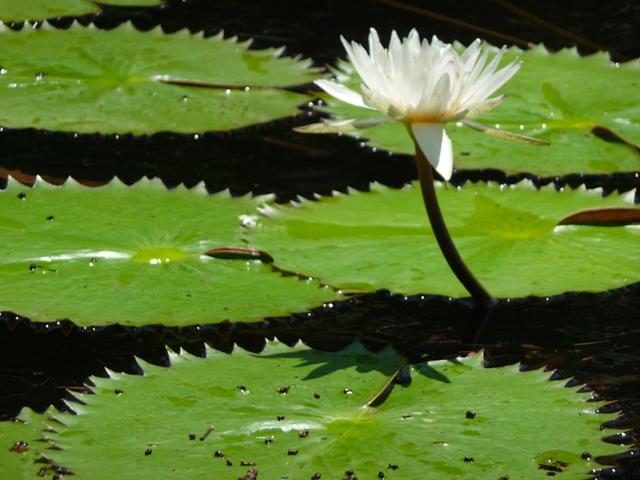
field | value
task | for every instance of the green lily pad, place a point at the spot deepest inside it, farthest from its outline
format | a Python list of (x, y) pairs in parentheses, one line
[(507, 236), (130, 3), (292, 413), (21, 10), (558, 97), (135, 256), (89, 80), (21, 444)]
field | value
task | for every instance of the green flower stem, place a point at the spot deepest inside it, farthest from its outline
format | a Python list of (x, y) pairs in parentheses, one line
[(447, 247)]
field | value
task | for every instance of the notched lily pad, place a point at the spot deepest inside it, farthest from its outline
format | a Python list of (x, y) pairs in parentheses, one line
[(126, 81), (508, 235), (298, 413), (584, 106), (21, 10), (21, 444), (137, 255)]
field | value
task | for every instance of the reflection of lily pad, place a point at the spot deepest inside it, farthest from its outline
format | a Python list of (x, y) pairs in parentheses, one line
[(134, 255), (292, 413), (20, 10), (89, 80), (557, 97), (368, 241)]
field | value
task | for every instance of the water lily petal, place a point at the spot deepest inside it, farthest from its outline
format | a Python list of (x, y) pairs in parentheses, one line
[(435, 143), (340, 126), (484, 106), (416, 80), (342, 93)]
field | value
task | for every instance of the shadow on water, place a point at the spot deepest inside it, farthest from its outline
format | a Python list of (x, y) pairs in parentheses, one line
[(572, 333)]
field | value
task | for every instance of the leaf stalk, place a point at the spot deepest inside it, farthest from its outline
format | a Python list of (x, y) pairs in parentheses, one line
[(447, 247)]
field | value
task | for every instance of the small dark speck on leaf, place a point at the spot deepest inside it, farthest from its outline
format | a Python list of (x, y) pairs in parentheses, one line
[(303, 433), (551, 474), (380, 474), (292, 452), (42, 472), (347, 391), (22, 196), (586, 456), (218, 454), (229, 462), (283, 390), (280, 417), (244, 463), (250, 475), (469, 459), (50, 218), (60, 470), (20, 447), (33, 267), (192, 436), (316, 476), (268, 441), (553, 466), (406, 416), (242, 388), (392, 466), (56, 477), (316, 395), (148, 452), (470, 414), (118, 392)]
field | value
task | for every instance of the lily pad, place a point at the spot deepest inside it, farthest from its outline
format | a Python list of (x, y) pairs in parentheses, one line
[(508, 235), (21, 444), (557, 97), (295, 413), (21, 10), (126, 81), (135, 256)]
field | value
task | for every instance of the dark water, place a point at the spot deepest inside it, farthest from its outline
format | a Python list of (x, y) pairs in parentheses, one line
[(592, 338)]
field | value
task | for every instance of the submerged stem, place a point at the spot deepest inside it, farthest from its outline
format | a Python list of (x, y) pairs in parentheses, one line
[(441, 233)]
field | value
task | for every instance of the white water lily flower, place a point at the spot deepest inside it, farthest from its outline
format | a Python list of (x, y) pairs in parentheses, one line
[(425, 85)]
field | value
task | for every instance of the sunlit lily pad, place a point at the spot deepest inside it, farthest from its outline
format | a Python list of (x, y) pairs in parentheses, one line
[(295, 413), (20, 10), (507, 235), (20, 446), (89, 80), (135, 256), (557, 97)]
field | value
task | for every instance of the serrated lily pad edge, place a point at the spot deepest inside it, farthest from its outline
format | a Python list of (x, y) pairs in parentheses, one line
[(305, 64), (52, 418), (276, 52), (630, 196), (100, 5), (220, 329)]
